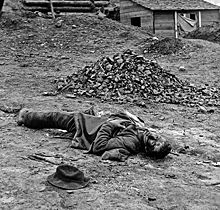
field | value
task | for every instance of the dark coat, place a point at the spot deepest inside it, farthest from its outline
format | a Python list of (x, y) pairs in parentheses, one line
[(98, 135)]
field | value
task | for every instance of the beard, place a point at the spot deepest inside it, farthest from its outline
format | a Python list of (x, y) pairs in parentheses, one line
[(159, 151), (156, 146)]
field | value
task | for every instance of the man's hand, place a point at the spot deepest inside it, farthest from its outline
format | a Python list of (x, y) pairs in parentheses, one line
[(118, 123), (116, 154)]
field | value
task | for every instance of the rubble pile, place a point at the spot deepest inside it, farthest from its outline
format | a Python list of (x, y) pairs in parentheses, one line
[(164, 46), (130, 77), (210, 33)]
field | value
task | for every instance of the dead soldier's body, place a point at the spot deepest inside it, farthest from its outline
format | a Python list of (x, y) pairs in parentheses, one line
[(114, 137)]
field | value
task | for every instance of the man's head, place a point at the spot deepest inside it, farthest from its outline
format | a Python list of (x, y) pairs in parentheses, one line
[(21, 116), (155, 145)]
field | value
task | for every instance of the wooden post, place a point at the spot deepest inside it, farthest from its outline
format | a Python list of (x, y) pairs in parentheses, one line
[(1, 4), (154, 31), (200, 19), (51, 8), (176, 24)]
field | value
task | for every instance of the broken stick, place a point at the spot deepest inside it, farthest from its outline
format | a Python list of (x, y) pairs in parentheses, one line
[(51, 8)]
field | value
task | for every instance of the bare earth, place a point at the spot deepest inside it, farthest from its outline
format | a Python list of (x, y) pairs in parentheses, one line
[(33, 53)]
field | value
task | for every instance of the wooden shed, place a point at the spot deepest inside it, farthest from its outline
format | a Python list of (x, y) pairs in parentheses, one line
[(168, 17)]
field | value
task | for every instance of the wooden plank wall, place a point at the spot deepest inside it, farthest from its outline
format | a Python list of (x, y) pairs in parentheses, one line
[(164, 23), (129, 9), (160, 22), (210, 16)]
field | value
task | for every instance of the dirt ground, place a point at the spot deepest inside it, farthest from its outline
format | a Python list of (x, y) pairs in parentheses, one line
[(34, 52)]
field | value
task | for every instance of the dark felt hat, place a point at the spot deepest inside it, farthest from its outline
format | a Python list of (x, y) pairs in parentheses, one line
[(68, 177)]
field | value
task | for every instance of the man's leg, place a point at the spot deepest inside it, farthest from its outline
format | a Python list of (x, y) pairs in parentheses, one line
[(59, 120), (39, 120)]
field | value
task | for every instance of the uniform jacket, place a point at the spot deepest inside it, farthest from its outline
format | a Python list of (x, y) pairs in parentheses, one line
[(98, 135)]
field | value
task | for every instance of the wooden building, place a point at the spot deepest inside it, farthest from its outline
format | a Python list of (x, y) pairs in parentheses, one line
[(166, 16)]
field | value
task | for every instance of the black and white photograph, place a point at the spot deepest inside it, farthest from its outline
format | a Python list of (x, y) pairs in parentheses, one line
[(110, 104)]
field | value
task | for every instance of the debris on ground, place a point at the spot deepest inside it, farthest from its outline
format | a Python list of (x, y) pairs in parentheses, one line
[(130, 77), (10, 109), (164, 46), (39, 157), (182, 68), (210, 33)]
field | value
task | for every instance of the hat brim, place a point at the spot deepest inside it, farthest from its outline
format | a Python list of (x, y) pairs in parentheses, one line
[(52, 179)]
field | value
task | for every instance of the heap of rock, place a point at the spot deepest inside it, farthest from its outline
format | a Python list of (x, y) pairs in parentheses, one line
[(210, 33), (164, 46), (130, 77)]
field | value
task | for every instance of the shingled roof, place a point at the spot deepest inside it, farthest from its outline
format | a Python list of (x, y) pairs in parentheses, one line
[(176, 4)]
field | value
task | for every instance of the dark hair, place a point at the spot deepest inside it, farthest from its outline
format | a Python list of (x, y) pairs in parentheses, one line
[(164, 151), (150, 149)]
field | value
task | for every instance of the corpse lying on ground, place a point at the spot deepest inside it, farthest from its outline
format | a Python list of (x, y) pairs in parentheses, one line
[(114, 137)]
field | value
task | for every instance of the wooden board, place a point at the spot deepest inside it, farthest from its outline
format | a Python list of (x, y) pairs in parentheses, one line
[(128, 6), (28, 1), (64, 3), (164, 20), (60, 9), (129, 9), (209, 17), (166, 33)]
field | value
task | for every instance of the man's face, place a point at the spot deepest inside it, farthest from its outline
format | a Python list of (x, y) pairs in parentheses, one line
[(23, 112), (156, 146)]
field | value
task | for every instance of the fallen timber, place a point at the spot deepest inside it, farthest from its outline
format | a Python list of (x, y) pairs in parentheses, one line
[(64, 5), (61, 9)]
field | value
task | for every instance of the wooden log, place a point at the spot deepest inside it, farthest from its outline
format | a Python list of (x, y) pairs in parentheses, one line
[(60, 9), (1, 4), (65, 3), (51, 8), (176, 24), (37, 1), (101, 3), (58, 3), (200, 19)]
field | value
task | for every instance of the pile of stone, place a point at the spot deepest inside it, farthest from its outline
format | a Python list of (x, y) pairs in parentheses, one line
[(130, 77), (210, 33), (164, 46)]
